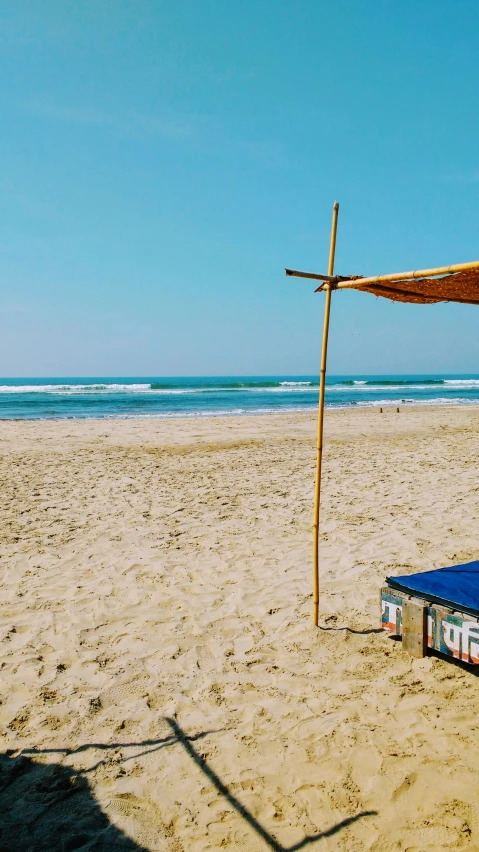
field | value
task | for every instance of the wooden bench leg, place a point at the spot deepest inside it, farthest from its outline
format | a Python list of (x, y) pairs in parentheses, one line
[(414, 627)]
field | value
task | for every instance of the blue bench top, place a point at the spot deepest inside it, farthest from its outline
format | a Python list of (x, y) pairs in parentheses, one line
[(456, 587)]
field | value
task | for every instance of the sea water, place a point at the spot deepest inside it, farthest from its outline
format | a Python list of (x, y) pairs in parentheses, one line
[(155, 396)]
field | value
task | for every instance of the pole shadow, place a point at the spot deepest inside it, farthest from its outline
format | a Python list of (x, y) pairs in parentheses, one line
[(244, 812), (149, 746), (367, 632)]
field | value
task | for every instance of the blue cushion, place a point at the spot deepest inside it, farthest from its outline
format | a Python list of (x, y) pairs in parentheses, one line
[(456, 587)]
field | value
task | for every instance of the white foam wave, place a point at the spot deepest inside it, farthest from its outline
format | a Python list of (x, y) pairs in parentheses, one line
[(227, 412), (283, 386), (440, 400), (68, 390), (473, 383), (375, 388), (65, 389)]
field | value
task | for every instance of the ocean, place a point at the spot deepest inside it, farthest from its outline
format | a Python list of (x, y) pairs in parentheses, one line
[(120, 397)]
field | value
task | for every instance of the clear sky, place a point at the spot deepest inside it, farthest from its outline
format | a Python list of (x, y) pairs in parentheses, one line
[(162, 162)]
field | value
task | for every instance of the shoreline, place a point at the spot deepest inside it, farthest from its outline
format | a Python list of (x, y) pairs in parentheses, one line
[(351, 407)]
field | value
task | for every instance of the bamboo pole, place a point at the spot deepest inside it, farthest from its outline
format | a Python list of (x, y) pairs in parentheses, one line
[(319, 445), (352, 281), (316, 276), (405, 276)]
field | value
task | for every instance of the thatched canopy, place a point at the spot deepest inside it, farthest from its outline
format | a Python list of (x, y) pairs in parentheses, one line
[(458, 283)]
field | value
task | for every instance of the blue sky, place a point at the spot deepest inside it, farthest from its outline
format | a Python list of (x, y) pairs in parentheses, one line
[(162, 162)]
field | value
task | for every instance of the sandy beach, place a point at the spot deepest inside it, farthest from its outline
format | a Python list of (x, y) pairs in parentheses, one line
[(159, 669)]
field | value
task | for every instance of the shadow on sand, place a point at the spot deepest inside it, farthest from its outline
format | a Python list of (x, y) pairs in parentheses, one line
[(51, 808)]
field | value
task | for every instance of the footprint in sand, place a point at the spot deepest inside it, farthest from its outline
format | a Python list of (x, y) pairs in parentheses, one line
[(126, 691), (246, 842), (206, 660), (405, 787), (126, 804)]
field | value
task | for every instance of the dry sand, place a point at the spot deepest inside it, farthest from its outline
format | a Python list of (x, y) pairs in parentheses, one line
[(155, 631)]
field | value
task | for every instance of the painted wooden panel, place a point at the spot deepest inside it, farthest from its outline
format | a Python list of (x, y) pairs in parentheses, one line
[(451, 633)]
